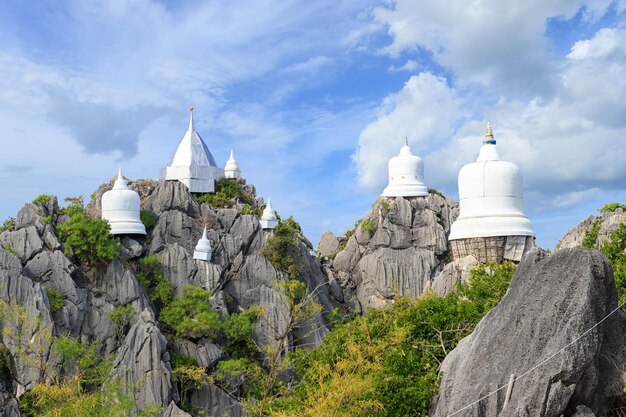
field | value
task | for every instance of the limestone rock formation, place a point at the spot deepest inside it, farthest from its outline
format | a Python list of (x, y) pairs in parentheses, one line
[(551, 301), (606, 223), (173, 411), (397, 249)]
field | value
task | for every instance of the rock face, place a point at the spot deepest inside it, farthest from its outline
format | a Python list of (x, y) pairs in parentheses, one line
[(551, 301), (396, 250), (606, 224)]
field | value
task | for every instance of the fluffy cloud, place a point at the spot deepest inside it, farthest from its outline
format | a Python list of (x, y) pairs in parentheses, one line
[(496, 42)]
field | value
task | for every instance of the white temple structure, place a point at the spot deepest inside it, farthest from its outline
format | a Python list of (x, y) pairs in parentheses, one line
[(406, 175), (231, 170), (121, 208), (491, 225), (203, 249), (268, 219), (192, 163)]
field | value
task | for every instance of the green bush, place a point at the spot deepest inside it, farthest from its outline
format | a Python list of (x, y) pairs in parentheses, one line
[(434, 191), (611, 207), (590, 237), (190, 315), (369, 225), (157, 285), (88, 238), (386, 363), (8, 225), (147, 218), (283, 248), (121, 317), (55, 299), (43, 199), (227, 192), (384, 205)]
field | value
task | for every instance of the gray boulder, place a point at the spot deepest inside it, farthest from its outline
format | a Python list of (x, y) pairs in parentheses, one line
[(329, 245), (453, 273), (142, 363), (25, 243), (173, 411), (216, 402), (171, 195), (551, 301)]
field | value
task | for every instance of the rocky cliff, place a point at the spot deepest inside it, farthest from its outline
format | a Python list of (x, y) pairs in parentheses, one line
[(33, 262), (597, 229)]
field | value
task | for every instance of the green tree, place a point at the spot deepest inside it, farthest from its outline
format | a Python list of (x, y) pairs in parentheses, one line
[(190, 315), (55, 299), (283, 248)]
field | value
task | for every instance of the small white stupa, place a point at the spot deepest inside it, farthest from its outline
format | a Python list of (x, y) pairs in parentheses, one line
[(203, 248), (121, 208), (268, 219), (406, 175), (231, 170), (192, 163), (491, 225)]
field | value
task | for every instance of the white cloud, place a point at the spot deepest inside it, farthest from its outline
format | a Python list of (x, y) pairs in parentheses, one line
[(410, 65), (494, 42)]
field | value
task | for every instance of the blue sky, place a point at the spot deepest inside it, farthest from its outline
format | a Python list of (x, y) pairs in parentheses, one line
[(315, 97)]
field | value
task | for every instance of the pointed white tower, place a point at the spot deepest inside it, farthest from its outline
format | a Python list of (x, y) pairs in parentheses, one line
[(231, 170), (406, 175), (192, 163), (121, 208), (203, 248), (268, 219), (491, 225)]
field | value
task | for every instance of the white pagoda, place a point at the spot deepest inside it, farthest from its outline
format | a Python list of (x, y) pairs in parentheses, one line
[(269, 219), (491, 225), (121, 208), (231, 170), (203, 249), (192, 163), (406, 175)]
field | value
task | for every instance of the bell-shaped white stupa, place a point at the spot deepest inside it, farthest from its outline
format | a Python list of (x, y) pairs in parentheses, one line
[(192, 163), (231, 170), (491, 225), (406, 175), (268, 219), (203, 248), (121, 208)]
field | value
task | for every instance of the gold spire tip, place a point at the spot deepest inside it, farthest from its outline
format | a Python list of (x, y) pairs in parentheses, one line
[(190, 108)]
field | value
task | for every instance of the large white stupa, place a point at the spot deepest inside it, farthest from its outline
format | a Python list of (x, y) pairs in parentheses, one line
[(491, 225), (406, 175), (203, 249), (269, 219), (192, 163), (121, 208), (231, 170)]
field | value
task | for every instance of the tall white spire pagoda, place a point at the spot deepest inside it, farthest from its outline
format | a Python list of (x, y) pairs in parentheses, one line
[(192, 163), (231, 170)]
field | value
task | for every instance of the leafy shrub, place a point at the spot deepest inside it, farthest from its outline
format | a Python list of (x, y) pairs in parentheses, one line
[(611, 207), (384, 205), (8, 225), (147, 218), (47, 219), (227, 191), (5, 362), (386, 362), (55, 299), (283, 248), (121, 317), (190, 315), (369, 225), (43, 199), (437, 192), (157, 285), (88, 238), (590, 238), (614, 251)]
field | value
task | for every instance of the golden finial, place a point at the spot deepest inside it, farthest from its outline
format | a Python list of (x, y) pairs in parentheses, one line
[(489, 135), (190, 108)]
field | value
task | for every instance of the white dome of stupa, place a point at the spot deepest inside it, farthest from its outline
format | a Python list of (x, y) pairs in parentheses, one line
[(268, 219), (231, 170), (406, 175), (203, 248), (490, 193), (192, 163), (121, 208)]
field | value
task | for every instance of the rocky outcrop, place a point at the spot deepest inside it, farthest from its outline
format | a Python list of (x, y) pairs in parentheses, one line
[(540, 327), (216, 402), (173, 411), (397, 249), (452, 274), (142, 363), (605, 224)]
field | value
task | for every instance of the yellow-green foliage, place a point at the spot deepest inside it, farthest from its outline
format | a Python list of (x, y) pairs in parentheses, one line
[(157, 285), (8, 225), (147, 218), (227, 192), (591, 236), (55, 299), (283, 248), (385, 363), (43, 199), (611, 207), (369, 225)]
